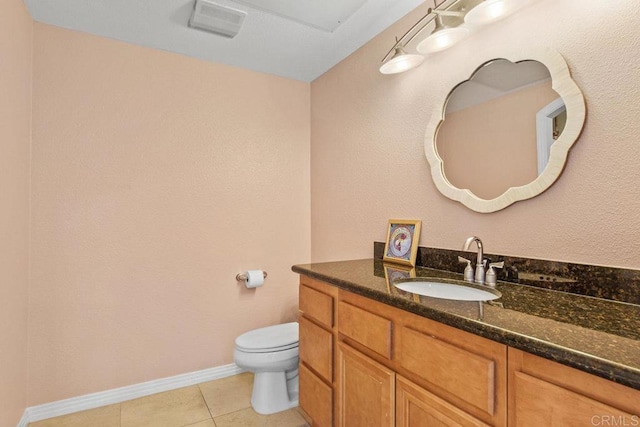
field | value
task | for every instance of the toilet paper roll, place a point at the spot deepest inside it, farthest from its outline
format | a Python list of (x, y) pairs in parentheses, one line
[(255, 278)]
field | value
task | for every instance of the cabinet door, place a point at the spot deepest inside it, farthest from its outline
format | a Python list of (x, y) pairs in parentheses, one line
[(416, 407), (365, 390)]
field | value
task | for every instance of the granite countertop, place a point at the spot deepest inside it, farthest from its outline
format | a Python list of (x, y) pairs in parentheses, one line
[(594, 335)]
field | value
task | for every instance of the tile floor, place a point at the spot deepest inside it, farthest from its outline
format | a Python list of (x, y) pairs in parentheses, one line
[(221, 403)]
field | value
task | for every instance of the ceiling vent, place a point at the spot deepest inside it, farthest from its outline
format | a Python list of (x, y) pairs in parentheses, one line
[(325, 15), (212, 17)]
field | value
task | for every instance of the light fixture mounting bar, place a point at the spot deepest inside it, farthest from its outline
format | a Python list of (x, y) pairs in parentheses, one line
[(444, 8), (454, 20)]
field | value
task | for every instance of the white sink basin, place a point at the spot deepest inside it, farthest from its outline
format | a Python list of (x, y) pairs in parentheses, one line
[(450, 291)]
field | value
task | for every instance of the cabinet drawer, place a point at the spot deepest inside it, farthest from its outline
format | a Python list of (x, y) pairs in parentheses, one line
[(368, 329), (465, 375), (539, 403), (544, 392), (415, 407), (316, 398), (316, 348), (316, 305)]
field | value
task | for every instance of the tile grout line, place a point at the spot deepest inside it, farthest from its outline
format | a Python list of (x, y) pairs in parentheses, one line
[(206, 404)]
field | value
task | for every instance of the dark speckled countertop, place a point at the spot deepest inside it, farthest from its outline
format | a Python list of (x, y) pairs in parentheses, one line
[(595, 335)]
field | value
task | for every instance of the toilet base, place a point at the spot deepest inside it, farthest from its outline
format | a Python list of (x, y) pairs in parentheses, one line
[(274, 391)]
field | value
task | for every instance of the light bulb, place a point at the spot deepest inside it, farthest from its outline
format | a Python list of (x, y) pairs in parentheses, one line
[(492, 10), (442, 39)]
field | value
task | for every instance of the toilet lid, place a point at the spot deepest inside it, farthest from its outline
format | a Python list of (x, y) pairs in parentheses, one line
[(271, 338)]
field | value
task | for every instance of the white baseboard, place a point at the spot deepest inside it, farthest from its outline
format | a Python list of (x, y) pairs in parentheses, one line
[(24, 421), (117, 395)]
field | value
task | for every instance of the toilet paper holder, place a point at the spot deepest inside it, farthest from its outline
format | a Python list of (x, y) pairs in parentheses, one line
[(241, 277)]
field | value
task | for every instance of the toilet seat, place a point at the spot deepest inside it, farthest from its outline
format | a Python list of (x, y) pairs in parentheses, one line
[(270, 339), (266, 350)]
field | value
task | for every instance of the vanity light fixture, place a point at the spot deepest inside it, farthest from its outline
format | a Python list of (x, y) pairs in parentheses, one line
[(442, 37), (449, 22), (401, 61)]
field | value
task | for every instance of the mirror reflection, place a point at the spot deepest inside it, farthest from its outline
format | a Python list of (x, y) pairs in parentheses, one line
[(499, 126)]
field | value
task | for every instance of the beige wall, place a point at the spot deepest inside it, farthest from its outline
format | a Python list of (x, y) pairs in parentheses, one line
[(491, 147), (368, 162), (157, 178), (16, 30)]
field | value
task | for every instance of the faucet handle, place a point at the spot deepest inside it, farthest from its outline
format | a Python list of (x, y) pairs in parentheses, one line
[(468, 270), (492, 277), (496, 264)]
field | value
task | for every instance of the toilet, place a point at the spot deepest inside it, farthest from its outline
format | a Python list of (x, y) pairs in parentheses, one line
[(271, 353)]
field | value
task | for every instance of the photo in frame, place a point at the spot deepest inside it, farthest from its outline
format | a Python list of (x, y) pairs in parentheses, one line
[(401, 245)]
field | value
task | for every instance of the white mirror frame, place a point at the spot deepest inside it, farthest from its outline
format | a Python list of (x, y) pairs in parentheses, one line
[(563, 84)]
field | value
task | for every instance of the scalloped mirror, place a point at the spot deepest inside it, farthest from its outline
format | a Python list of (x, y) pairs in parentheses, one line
[(504, 132)]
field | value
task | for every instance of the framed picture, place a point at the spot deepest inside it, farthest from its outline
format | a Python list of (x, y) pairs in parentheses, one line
[(393, 272), (402, 241)]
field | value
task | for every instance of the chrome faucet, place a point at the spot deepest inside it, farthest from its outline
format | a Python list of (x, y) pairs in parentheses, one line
[(479, 277)]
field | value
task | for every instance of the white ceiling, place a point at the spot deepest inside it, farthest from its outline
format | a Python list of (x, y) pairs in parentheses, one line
[(267, 42)]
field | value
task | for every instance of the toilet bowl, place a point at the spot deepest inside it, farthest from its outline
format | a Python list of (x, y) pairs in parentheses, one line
[(271, 353)]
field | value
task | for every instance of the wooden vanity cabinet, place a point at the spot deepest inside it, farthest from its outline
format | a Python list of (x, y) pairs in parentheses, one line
[(364, 363), (317, 305), (546, 393)]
